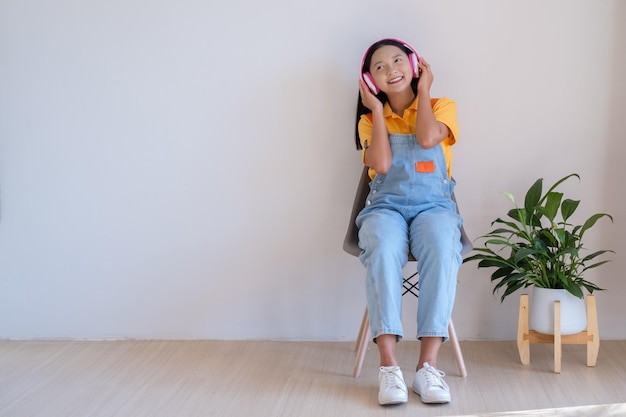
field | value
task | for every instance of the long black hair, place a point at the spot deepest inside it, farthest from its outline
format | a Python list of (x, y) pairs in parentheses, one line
[(360, 107)]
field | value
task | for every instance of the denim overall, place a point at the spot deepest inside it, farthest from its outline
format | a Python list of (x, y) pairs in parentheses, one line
[(410, 209)]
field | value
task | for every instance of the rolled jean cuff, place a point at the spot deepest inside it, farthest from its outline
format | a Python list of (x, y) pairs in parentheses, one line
[(398, 333), (444, 335)]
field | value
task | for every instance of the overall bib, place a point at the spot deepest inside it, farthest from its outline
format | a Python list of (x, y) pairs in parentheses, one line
[(410, 209)]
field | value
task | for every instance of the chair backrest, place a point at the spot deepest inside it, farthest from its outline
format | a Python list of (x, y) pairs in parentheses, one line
[(351, 241)]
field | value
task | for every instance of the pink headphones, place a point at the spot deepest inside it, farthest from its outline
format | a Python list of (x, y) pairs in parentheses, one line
[(367, 77)]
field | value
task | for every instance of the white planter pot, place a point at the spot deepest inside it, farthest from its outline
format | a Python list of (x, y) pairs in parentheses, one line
[(573, 311)]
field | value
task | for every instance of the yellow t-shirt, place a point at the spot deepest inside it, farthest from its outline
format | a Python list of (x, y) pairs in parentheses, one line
[(444, 110)]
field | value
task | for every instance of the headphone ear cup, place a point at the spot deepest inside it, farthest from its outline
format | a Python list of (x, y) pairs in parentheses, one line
[(413, 59), (367, 77)]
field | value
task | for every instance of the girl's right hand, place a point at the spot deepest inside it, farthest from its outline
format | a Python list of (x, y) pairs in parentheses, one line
[(369, 100)]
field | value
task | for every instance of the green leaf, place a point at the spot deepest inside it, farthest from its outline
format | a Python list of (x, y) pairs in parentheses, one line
[(594, 265), (515, 215), (533, 195), (492, 263), (500, 231), (511, 289), (553, 202), (556, 184), (596, 254), (523, 253), (575, 290), (498, 241), (546, 238), (510, 279), (568, 208), (591, 287), (592, 220), (501, 272)]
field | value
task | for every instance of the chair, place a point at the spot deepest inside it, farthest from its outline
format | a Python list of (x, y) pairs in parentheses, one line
[(351, 246)]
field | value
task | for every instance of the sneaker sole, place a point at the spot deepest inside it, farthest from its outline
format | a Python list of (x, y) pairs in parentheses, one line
[(392, 402), (440, 400)]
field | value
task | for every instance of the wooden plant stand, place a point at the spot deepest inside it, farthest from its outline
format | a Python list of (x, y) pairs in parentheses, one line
[(589, 337)]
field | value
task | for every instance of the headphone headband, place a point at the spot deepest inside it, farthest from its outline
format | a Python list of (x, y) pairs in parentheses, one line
[(413, 59)]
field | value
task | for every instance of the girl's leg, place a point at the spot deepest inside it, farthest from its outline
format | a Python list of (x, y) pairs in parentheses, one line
[(387, 349), (436, 244), (383, 236), (429, 349)]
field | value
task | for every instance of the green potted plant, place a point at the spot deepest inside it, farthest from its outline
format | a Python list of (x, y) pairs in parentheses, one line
[(537, 246)]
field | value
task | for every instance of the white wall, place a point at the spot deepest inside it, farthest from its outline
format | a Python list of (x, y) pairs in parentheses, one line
[(186, 169)]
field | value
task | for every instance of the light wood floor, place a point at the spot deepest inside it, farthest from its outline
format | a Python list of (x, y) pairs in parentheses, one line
[(299, 379)]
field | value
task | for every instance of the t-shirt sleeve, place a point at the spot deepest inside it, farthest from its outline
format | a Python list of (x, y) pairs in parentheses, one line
[(365, 132), (445, 111)]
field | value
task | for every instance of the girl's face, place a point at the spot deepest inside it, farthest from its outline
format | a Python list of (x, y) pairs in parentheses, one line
[(391, 69)]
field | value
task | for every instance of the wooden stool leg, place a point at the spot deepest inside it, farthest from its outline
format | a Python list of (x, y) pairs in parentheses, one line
[(458, 355), (593, 343), (523, 334), (557, 337), (363, 339)]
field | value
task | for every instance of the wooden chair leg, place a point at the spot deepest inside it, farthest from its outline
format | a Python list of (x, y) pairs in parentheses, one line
[(361, 345), (458, 355), (593, 341), (362, 330), (523, 334)]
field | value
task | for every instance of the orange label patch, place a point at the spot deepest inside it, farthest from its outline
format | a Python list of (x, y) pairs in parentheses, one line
[(425, 166)]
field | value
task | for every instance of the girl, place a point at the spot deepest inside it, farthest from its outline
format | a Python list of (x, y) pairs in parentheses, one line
[(406, 137)]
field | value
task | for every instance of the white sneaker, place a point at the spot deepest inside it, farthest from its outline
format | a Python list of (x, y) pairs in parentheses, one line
[(392, 387), (429, 385)]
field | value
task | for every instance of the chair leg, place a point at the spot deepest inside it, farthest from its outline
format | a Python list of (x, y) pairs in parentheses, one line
[(458, 355), (361, 345), (362, 330)]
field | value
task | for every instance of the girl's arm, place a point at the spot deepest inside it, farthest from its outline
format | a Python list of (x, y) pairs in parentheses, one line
[(428, 130), (378, 152)]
